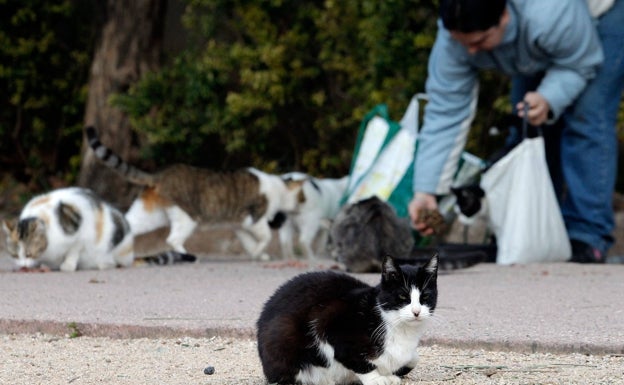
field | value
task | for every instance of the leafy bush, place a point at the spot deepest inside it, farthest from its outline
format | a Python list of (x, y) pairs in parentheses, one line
[(44, 61), (281, 85), (274, 84)]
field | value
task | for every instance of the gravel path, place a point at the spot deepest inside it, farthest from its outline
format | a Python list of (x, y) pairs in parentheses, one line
[(47, 359)]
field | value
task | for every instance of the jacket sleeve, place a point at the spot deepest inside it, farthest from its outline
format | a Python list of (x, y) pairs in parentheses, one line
[(568, 35), (452, 88)]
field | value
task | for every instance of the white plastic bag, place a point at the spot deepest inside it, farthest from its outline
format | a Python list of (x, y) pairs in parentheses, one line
[(523, 209), (383, 163), (389, 169)]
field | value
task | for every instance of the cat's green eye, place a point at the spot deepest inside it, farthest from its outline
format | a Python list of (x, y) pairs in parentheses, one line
[(403, 297)]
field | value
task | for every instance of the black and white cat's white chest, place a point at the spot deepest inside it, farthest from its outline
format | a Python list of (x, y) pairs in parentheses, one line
[(371, 347), (330, 328)]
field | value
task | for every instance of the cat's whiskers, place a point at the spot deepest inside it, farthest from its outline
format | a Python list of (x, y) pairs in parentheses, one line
[(438, 318), (394, 322), (312, 332), (379, 332)]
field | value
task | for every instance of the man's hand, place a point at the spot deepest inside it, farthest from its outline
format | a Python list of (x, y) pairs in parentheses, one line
[(538, 108), (421, 204)]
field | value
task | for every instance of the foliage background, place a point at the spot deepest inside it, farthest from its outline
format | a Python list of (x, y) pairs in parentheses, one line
[(45, 53), (279, 85)]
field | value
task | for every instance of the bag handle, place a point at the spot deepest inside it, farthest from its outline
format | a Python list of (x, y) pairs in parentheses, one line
[(525, 122), (411, 119)]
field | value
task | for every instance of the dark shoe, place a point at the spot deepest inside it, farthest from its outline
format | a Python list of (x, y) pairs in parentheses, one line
[(585, 253)]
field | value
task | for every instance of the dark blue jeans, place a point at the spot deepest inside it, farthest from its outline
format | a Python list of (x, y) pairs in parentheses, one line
[(582, 147)]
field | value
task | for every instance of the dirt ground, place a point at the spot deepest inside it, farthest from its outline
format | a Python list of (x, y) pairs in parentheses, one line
[(45, 359)]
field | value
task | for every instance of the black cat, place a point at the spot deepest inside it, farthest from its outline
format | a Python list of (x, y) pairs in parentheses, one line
[(331, 328), (469, 199)]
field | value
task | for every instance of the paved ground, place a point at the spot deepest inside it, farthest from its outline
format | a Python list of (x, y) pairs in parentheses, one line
[(536, 324), (547, 308)]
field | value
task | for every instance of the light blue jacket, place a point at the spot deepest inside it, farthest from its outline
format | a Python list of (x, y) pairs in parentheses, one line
[(557, 37)]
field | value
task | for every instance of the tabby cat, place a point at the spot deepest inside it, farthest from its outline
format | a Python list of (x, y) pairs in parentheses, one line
[(181, 195), (69, 229), (331, 328), (365, 231)]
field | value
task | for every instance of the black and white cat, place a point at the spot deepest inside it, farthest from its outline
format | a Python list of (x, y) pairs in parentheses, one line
[(331, 328), (470, 202)]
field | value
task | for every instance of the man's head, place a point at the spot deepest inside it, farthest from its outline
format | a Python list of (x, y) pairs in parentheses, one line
[(479, 25)]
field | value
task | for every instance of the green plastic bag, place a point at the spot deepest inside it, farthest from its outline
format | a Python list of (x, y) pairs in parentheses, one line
[(383, 161)]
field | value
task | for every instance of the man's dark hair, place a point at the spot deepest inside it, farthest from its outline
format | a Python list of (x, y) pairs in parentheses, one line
[(471, 15)]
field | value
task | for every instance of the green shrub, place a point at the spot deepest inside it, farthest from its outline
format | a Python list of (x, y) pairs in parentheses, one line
[(281, 85), (45, 53)]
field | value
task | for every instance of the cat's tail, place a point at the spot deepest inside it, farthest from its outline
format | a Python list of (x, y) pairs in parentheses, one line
[(452, 256), (166, 258), (112, 160)]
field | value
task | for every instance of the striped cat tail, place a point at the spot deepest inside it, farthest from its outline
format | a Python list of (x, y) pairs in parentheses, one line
[(112, 160), (165, 258)]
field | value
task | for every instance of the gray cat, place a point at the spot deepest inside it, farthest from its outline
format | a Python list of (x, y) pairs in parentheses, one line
[(366, 231)]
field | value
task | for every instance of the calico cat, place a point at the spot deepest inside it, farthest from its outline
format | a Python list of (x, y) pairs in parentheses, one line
[(69, 229), (318, 207), (181, 195), (365, 231), (330, 328)]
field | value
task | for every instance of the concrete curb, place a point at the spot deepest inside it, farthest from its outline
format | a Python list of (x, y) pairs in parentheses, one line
[(557, 308)]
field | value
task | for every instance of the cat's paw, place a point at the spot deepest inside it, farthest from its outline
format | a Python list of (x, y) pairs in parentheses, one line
[(392, 380), (68, 266), (404, 371), (374, 378)]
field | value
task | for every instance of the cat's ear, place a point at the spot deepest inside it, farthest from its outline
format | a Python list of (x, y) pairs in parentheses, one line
[(389, 269), (297, 187), (9, 225), (431, 267), (294, 184), (69, 218)]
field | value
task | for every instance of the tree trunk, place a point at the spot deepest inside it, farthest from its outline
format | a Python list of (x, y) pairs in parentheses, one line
[(130, 45)]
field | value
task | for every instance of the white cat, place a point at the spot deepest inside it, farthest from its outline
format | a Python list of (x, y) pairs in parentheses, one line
[(320, 205), (69, 229)]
